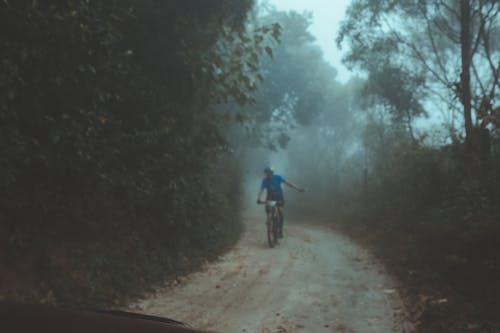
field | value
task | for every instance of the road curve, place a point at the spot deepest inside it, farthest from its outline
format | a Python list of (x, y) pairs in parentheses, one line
[(315, 281)]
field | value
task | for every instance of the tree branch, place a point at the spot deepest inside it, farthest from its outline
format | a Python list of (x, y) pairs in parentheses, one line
[(486, 45), (450, 9), (433, 45), (478, 79)]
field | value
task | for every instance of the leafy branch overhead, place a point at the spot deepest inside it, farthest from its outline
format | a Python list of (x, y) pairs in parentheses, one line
[(236, 62)]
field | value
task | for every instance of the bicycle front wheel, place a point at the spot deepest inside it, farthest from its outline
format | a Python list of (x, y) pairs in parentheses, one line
[(275, 229), (270, 231)]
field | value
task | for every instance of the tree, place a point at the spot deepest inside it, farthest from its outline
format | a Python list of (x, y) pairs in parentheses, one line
[(449, 42), (294, 82), (109, 128), (106, 107)]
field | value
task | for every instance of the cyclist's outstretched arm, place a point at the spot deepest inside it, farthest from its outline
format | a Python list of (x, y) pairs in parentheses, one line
[(295, 187)]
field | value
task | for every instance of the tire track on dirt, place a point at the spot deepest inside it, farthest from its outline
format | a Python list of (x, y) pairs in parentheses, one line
[(315, 281)]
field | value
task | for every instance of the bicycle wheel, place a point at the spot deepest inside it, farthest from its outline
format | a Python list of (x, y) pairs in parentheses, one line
[(275, 229), (270, 227), (280, 224)]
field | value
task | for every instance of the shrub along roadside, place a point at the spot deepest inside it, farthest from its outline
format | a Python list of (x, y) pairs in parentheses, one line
[(100, 264), (432, 216)]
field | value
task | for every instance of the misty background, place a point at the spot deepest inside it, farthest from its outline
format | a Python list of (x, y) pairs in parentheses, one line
[(135, 133)]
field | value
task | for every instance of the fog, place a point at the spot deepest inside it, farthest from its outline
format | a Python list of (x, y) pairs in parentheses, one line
[(309, 121), (387, 105), (134, 137), (400, 149)]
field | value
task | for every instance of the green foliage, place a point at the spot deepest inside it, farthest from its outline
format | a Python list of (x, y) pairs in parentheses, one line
[(93, 91), (108, 128)]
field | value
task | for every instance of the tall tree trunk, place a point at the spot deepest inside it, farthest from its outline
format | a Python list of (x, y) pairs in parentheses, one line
[(465, 39)]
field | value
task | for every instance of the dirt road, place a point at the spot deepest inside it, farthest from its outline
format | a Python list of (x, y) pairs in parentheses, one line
[(315, 281)]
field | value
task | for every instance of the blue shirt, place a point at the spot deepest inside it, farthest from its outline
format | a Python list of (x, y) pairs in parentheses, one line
[(273, 187)]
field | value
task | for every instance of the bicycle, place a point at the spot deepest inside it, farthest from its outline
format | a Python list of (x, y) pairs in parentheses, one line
[(272, 222)]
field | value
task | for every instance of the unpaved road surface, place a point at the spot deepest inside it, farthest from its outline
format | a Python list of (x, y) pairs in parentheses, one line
[(314, 281)]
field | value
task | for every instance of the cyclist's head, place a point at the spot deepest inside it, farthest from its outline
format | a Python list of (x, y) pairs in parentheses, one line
[(268, 171)]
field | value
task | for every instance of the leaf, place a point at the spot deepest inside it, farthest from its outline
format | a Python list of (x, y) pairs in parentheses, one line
[(269, 52)]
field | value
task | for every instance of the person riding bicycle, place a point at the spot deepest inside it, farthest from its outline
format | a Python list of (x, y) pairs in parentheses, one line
[(272, 185)]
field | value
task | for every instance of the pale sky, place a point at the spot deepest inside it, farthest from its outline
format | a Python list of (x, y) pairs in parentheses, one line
[(327, 17)]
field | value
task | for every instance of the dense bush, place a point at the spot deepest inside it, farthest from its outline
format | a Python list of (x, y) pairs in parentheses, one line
[(432, 214), (111, 146)]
